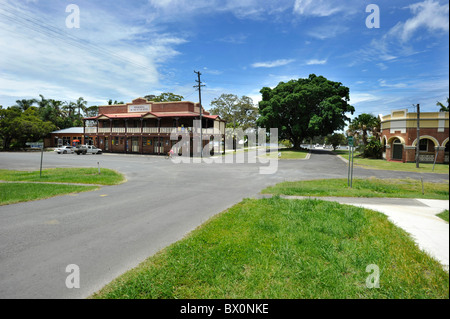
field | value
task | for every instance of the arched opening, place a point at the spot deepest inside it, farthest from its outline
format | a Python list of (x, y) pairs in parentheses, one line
[(383, 145), (397, 149), (446, 158), (426, 150)]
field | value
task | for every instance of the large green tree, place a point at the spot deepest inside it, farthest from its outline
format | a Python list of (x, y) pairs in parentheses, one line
[(18, 126), (164, 97), (237, 112), (305, 108), (336, 139)]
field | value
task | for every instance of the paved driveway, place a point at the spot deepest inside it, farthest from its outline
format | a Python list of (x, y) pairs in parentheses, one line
[(109, 231)]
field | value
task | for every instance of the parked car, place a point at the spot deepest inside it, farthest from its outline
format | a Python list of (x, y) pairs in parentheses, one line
[(87, 149), (64, 150)]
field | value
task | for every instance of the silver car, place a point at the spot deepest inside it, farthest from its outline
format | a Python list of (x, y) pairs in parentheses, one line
[(64, 150)]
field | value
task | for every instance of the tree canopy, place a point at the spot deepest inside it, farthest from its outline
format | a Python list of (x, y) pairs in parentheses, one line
[(305, 108), (164, 97), (29, 120), (364, 125), (237, 112), (18, 126)]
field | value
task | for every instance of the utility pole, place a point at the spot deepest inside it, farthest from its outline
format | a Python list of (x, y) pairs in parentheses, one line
[(418, 136), (199, 86)]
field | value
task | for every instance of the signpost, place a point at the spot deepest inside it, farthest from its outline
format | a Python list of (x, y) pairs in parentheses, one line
[(350, 161), (38, 145)]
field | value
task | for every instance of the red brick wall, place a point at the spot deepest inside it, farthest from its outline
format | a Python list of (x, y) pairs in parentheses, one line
[(411, 134), (112, 109), (409, 155), (173, 107)]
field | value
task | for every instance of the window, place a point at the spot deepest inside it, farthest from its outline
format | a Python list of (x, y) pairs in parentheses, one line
[(66, 140), (423, 145)]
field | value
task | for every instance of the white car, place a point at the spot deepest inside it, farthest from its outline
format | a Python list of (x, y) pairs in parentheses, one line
[(64, 150)]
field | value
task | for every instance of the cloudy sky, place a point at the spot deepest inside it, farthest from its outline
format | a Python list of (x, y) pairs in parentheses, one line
[(129, 48)]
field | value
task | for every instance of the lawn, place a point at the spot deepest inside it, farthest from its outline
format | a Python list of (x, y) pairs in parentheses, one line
[(372, 187), (288, 153), (65, 175), (287, 249), (444, 215), (394, 166), (11, 193), (30, 186)]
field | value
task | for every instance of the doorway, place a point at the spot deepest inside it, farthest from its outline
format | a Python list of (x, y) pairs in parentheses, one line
[(397, 150)]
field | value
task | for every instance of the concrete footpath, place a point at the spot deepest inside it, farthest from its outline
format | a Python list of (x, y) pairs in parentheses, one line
[(415, 216)]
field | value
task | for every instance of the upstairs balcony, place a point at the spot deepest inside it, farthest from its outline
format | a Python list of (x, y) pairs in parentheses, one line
[(147, 130)]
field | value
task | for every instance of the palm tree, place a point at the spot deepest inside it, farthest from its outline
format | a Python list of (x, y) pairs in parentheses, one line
[(363, 125), (25, 104), (81, 104), (443, 107)]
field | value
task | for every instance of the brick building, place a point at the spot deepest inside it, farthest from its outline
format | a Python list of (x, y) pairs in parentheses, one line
[(67, 136), (144, 127), (399, 136)]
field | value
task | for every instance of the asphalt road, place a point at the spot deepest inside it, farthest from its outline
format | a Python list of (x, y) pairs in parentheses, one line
[(112, 230)]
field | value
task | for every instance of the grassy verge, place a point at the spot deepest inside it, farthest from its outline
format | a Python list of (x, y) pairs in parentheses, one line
[(41, 187), (288, 153), (372, 187), (65, 175), (395, 166), (444, 215), (11, 193), (275, 248)]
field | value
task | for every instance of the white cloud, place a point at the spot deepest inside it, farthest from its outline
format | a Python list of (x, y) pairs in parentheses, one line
[(272, 64), (428, 19), (316, 8), (106, 56), (325, 8), (316, 61), (382, 66), (428, 14), (326, 32), (356, 98), (234, 38), (172, 10), (383, 83)]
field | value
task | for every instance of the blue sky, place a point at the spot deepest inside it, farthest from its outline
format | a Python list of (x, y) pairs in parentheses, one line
[(126, 49)]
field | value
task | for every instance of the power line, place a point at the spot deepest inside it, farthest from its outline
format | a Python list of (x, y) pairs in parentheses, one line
[(45, 29)]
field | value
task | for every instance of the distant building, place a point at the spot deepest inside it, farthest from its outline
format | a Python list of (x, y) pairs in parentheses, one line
[(68, 136), (144, 127), (399, 136)]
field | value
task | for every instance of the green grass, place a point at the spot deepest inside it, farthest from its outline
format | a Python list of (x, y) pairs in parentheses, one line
[(284, 249), (344, 153), (65, 175), (288, 153), (372, 187), (11, 193), (394, 166), (444, 215), (41, 187)]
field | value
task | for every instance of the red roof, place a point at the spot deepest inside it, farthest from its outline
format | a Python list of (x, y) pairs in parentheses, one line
[(156, 114)]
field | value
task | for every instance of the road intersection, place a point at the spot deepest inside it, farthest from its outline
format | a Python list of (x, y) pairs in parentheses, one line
[(111, 230)]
